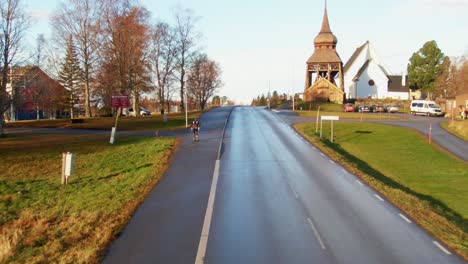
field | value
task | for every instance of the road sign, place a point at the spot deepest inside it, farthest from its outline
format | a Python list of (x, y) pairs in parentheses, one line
[(330, 118), (120, 101)]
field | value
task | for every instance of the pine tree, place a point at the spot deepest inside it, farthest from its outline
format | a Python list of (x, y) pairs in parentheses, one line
[(70, 75)]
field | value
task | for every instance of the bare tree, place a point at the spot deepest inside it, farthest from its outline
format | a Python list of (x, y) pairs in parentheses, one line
[(81, 19), (204, 79), (186, 44), (13, 23), (125, 49), (163, 60)]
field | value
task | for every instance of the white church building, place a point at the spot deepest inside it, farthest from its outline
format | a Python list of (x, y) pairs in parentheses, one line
[(366, 76)]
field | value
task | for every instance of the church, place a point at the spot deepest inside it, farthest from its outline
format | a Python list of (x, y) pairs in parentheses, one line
[(363, 76), (366, 76)]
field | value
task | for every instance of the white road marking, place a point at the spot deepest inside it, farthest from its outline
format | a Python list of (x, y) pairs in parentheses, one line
[(405, 218), (344, 171), (294, 191), (378, 197), (442, 248), (322, 154), (208, 216), (360, 183), (316, 233), (276, 111), (332, 162)]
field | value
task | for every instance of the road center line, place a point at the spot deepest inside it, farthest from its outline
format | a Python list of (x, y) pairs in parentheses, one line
[(208, 216), (316, 233), (442, 248), (378, 197), (405, 218)]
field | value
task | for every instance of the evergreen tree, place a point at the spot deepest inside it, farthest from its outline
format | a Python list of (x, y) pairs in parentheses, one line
[(70, 75), (425, 67)]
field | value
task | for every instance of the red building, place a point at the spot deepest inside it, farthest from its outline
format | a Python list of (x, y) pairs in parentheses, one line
[(35, 95)]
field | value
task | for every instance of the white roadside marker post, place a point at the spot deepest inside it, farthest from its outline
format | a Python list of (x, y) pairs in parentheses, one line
[(68, 160)]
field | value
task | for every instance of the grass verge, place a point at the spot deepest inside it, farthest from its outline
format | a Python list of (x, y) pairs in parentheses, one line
[(42, 221), (458, 128), (427, 183), (175, 121)]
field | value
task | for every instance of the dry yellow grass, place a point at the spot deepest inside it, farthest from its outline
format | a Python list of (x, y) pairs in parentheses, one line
[(51, 223)]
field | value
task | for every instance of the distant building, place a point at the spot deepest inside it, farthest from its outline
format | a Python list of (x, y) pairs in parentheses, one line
[(35, 95), (324, 78), (366, 76)]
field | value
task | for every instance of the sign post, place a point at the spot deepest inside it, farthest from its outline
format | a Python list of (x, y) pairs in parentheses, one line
[(329, 118), (316, 122), (119, 102)]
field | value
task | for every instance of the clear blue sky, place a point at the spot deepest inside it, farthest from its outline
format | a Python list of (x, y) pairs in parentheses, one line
[(268, 41)]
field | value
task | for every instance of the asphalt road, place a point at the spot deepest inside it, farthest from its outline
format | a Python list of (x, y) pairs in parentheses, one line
[(440, 136), (279, 200), (166, 227)]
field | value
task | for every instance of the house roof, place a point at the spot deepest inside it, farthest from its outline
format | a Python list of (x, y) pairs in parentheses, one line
[(395, 85)]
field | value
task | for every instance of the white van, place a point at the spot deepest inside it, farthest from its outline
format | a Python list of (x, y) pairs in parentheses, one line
[(424, 107)]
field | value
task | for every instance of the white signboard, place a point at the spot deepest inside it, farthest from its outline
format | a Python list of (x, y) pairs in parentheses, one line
[(331, 118)]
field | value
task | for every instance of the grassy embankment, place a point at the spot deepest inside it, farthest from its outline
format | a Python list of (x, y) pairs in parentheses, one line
[(458, 128), (42, 221), (329, 109), (175, 121), (427, 183)]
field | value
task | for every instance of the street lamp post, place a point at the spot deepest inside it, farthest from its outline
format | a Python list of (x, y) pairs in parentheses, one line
[(186, 111)]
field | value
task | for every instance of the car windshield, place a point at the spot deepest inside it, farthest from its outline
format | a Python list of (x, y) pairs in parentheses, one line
[(433, 106)]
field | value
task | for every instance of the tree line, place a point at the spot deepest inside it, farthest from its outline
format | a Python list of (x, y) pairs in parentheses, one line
[(101, 48)]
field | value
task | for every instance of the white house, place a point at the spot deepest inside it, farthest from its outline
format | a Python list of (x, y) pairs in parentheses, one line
[(366, 76)]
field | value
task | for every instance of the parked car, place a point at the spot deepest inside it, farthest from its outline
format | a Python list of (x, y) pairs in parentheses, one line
[(349, 107), (363, 108), (424, 107), (392, 109), (377, 108), (143, 112)]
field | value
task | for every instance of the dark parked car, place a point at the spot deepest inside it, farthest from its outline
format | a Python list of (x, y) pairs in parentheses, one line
[(377, 108), (363, 108)]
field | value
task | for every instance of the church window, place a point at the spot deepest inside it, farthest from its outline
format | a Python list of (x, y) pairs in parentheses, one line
[(371, 83)]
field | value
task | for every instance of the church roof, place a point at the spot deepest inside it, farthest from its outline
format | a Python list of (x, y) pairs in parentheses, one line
[(395, 84), (364, 67), (354, 56)]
